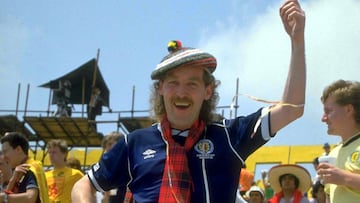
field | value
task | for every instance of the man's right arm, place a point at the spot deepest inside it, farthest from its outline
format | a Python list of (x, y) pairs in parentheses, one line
[(83, 191)]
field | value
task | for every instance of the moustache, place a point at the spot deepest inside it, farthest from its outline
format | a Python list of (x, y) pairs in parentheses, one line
[(181, 100)]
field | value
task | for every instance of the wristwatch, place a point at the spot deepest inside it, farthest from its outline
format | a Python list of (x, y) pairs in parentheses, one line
[(5, 198)]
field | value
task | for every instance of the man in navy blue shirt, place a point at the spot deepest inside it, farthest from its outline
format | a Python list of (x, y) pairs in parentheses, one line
[(191, 155), (28, 182)]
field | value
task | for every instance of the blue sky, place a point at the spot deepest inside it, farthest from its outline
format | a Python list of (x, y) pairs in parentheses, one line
[(43, 40)]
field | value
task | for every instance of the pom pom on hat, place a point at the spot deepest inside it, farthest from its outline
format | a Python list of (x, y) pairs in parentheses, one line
[(179, 55), (174, 45)]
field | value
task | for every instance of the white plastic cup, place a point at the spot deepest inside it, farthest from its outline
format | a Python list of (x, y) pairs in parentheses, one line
[(327, 159), (330, 160)]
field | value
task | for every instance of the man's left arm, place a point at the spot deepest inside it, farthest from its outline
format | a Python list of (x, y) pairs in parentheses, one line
[(292, 104)]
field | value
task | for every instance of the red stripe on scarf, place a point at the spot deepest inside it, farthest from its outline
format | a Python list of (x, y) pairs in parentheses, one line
[(129, 198), (176, 182), (277, 197)]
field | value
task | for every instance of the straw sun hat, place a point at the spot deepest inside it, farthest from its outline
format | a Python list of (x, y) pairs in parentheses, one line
[(301, 173)]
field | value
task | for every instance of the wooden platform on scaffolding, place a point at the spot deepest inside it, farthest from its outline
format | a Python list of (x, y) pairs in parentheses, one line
[(10, 123), (78, 132)]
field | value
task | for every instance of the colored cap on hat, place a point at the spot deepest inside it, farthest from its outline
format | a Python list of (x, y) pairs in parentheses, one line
[(179, 55)]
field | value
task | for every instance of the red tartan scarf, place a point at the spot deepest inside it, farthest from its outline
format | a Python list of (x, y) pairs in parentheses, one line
[(176, 182), (277, 197), (129, 198)]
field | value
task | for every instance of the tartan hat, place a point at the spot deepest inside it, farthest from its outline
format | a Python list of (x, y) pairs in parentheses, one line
[(296, 170), (179, 56)]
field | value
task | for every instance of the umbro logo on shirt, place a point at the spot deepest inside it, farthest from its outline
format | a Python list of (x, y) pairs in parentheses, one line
[(149, 153)]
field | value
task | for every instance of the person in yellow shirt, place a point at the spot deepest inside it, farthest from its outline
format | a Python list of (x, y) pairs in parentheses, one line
[(342, 116), (61, 179)]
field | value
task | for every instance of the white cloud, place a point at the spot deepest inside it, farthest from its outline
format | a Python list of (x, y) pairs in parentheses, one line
[(13, 39), (259, 56), (13, 43)]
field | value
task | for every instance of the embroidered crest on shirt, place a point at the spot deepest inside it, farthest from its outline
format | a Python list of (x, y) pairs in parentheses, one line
[(355, 157), (149, 153), (205, 149)]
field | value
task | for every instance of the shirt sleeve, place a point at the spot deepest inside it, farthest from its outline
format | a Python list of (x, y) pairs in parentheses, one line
[(112, 169), (30, 180), (248, 133)]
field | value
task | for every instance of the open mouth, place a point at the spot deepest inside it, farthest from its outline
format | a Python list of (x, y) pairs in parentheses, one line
[(182, 105)]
